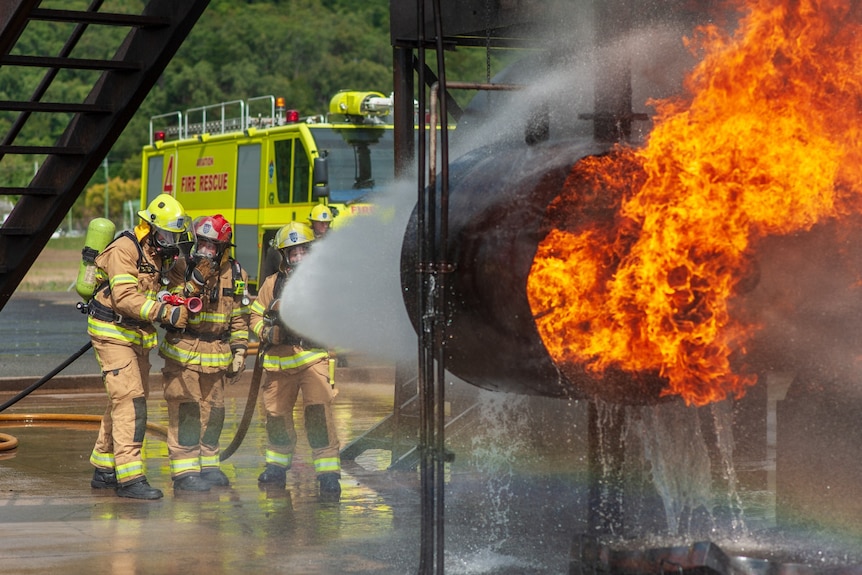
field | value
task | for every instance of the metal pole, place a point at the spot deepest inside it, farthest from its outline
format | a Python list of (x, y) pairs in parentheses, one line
[(425, 381)]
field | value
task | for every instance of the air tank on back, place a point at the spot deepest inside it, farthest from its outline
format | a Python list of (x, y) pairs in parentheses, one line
[(497, 218)]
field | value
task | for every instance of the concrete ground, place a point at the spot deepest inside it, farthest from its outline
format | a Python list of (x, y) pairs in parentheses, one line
[(515, 519), (52, 521), (516, 494), (517, 516)]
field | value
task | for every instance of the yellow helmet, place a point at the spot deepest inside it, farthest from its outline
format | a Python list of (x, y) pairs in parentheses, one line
[(169, 223), (320, 213), (293, 234), (166, 213)]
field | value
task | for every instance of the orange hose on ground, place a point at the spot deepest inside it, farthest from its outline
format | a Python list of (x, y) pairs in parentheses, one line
[(9, 442)]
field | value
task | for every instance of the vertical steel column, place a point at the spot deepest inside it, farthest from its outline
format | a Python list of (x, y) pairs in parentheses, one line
[(405, 147), (405, 154), (425, 248), (433, 207)]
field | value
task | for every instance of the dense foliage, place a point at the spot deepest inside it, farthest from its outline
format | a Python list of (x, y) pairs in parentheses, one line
[(298, 49), (304, 50)]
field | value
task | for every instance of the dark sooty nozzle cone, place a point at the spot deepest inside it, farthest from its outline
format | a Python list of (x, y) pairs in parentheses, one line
[(497, 218)]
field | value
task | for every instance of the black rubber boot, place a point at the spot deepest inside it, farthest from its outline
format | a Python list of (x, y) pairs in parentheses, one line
[(215, 477), (273, 475), (103, 479), (191, 482), (330, 487), (139, 489)]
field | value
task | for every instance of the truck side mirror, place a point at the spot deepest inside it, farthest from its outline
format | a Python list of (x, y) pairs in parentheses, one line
[(320, 179)]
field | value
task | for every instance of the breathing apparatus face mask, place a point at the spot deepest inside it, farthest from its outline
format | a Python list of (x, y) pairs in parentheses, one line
[(207, 249), (205, 261), (291, 256), (171, 244), (295, 254), (206, 258), (285, 263)]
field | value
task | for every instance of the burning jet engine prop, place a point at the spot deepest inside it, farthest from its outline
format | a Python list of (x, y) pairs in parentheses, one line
[(498, 207), (629, 274), (560, 288)]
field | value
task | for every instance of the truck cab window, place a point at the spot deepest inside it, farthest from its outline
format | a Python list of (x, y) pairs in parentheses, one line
[(283, 156), (301, 170)]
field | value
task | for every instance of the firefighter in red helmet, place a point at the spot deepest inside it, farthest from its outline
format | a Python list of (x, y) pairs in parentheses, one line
[(200, 357), (120, 324), (294, 364)]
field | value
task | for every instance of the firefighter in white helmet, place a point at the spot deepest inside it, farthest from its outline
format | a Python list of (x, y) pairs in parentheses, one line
[(120, 324), (200, 357), (320, 220), (294, 364)]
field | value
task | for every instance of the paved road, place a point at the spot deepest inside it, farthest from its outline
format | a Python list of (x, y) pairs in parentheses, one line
[(39, 330)]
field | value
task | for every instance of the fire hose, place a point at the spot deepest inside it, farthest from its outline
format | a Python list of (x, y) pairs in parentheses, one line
[(248, 412), (33, 387), (10, 442), (253, 390), (194, 304)]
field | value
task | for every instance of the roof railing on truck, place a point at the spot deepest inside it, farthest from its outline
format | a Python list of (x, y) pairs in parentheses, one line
[(218, 126), (215, 119)]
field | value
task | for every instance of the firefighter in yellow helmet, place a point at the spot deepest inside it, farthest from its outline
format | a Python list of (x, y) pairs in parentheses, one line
[(120, 325), (292, 364), (200, 357), (320, 220)]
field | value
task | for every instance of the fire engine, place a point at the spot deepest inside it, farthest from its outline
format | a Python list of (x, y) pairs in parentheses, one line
[(262, 166)]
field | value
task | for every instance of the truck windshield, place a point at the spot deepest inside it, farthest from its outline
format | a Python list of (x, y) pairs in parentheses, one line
[(360, 160)]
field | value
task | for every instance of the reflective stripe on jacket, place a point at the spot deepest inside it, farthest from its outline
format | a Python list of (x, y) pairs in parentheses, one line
[(131, 294), (283, 356), (212, 333)]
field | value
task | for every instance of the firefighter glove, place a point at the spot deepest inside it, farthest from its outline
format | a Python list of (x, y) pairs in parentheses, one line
[(198, 277), (174, 315), (237, 364), (272, 334), (204, 268)]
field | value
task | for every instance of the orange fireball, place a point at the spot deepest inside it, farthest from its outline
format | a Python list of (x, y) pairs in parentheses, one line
[(766, 142)]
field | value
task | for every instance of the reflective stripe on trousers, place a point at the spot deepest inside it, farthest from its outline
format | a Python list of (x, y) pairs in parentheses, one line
[(125, 373)]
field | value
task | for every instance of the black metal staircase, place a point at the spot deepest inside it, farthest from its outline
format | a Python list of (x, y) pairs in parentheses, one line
[(92, 126)]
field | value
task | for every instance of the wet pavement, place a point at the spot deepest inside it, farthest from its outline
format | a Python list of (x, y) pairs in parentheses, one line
[(500, 521), (54, 522), (516, 495)]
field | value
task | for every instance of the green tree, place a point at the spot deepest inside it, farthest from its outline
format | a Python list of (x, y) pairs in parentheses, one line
[(119, 192), (303, 50)]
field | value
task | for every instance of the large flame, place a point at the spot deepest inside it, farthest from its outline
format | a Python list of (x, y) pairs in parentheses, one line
[(650, 245)]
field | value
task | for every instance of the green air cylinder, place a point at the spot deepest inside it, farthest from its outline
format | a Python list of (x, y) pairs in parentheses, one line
[(100, 232)]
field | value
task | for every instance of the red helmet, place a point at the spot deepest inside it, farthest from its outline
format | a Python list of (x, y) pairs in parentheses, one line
[(212, 235), (213, 228)]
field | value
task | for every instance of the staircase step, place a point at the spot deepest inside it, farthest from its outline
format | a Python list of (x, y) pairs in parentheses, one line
[(68, 63)]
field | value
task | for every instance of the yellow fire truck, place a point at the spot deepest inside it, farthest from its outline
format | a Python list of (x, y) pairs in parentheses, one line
[(261, 166)]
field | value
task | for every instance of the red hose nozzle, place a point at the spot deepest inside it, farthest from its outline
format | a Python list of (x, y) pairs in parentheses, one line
[(193, 304)]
